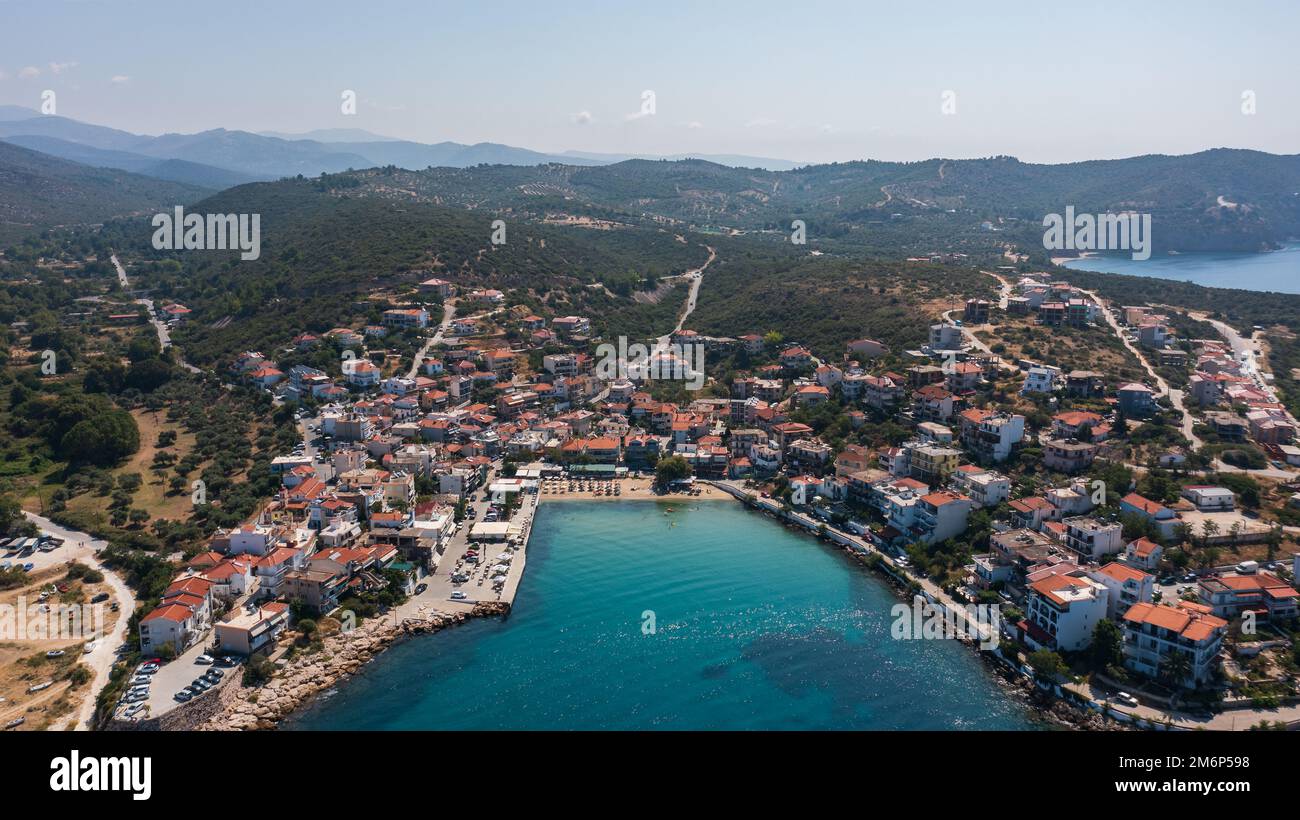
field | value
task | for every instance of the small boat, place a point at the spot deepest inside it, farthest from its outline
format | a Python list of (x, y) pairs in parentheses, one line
[(39, 686), (16, 722), (55, 653)]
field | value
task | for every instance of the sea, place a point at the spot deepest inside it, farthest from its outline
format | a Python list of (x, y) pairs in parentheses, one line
[(1277, 271), (698, 615)]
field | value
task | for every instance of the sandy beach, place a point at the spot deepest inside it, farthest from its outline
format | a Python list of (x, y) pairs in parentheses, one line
[(628, 490), (1061, 260)]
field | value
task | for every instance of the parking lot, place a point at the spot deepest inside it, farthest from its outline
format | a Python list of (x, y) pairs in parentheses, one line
[(478, 587), (171, 678)]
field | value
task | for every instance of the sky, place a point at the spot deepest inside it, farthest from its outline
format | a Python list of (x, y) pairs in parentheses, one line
[(803, 81)]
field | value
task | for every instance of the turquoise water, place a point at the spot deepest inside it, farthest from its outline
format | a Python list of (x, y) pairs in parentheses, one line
[(1273, 271), (757, 627)]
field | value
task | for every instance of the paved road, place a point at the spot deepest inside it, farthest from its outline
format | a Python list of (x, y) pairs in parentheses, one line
[(448, 315), (78, 546), (1162, 387), (697, 277), (164, 336)]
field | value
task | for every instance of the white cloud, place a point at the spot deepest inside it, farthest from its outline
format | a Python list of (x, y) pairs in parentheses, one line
[(29, 72), (647, 107), (59, 68), (760, 122), (695, 125), (826, 129), (582, 117), (3, 76), (119, 79)]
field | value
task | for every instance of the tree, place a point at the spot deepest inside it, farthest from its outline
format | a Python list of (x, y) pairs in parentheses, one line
[(11, 512), (148, 375), (1107, 644), (670, 469), (1047, 665), (1176, 668), (104, 441)]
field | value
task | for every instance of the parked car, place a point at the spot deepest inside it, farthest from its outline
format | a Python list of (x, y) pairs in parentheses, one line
[(458, 595), (182, 696), (1126, 699), (100, 598), (421, 588), (203, 659)]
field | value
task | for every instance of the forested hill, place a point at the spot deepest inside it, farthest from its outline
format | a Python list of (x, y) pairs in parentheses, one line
[(1214, 200), (321, 254), (38, 191)]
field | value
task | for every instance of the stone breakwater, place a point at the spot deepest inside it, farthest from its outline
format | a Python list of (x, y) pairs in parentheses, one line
[(340, 655)]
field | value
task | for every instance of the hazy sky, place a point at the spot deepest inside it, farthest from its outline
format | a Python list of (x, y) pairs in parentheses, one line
[(809, 81)]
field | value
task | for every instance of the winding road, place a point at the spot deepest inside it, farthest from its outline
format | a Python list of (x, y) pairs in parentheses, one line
[(697, 276), (164, 337)]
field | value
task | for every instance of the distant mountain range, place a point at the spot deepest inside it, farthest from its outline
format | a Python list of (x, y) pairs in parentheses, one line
[(730, 160), (1223, 199), (220, 158)]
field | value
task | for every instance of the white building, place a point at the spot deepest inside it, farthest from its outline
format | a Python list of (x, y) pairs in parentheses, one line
[(1093, 539), (1062, 612), (1041, 379), (945, 337), (1210, 499), (1155, 632)]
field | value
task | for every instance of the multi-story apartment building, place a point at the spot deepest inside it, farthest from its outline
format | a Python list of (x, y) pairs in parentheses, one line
[(931, 463), (1062, 611), (991, 436), (945, 337), (985, 488), (1127, 586), (1153, 633), (1091, 538), (1229, 594), (1066, 456), (941, 515), (406, 317)]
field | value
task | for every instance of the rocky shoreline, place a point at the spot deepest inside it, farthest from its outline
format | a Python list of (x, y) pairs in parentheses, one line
[(307, 675)]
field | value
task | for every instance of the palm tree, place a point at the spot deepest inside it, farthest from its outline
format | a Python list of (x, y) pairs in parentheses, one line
[(1176, 668)]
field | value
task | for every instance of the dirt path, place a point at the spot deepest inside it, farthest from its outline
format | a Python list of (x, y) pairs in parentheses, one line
[(80, 547)]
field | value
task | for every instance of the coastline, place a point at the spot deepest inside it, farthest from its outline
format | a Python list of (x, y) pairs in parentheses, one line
[(340, 656), (1051, 708), (1060, 261), (636, 490)]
